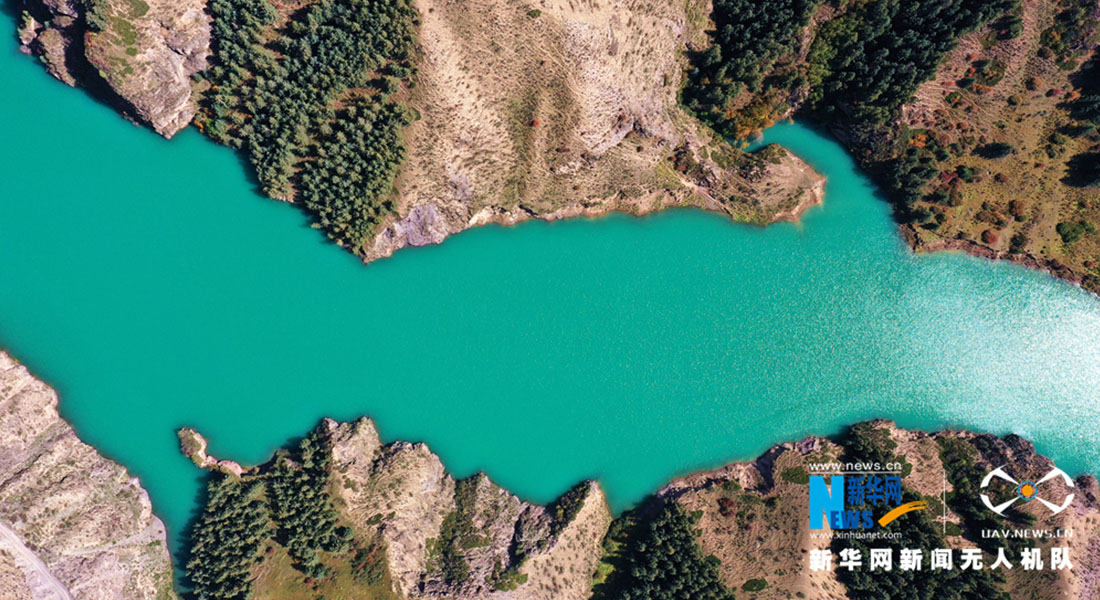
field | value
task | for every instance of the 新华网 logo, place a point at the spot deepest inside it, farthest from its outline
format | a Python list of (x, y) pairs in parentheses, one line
[(848, 502), (1026, 490)]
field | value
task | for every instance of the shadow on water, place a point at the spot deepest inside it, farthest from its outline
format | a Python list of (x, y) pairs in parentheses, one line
[(878, 172), (12, 8), (253, 177), (835, 134), (77, 65), (91, 83), (803, 120), (182, 552)]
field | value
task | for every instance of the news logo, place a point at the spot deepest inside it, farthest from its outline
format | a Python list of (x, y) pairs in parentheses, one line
[(849, 501)]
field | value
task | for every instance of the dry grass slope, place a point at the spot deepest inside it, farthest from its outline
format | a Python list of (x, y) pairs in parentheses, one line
[(558, 108)]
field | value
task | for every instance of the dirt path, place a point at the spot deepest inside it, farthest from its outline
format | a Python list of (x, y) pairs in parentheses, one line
[(43, 584)]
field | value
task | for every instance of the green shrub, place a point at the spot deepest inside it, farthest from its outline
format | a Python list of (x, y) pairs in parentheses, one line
[(1069, 30), (297, 488), (1009, 27), (994, 150), (225, 539), (1084, 170), (1073, 231), (867, 444), (508, 579), (661, 560), (796, 475), (754, 585), (989, 72), (748, 37)]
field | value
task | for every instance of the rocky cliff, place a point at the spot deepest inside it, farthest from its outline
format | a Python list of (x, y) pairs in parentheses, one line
[(72, 523), (405, 492), (137, 55)]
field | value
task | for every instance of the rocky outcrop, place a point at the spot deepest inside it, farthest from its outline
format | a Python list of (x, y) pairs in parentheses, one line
[(50, 30), (401, 487), (139, 54), (13, 581), (781, 187), (403, 490), (193, 446), (565, 568), (72, 523)]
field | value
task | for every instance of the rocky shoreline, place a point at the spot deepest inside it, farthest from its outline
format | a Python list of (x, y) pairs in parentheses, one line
[(138, 56), (193, 445), (779, 476), (429, 223), (637, 152), (925, 244)]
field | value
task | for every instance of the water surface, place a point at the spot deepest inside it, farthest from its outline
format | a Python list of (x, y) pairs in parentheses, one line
[(150, 284)]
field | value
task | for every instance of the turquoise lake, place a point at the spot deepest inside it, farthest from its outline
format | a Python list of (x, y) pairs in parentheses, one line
[(149, 283)]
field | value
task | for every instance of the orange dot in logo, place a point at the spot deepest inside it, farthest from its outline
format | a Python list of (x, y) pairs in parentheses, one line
[(1026, 491)]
